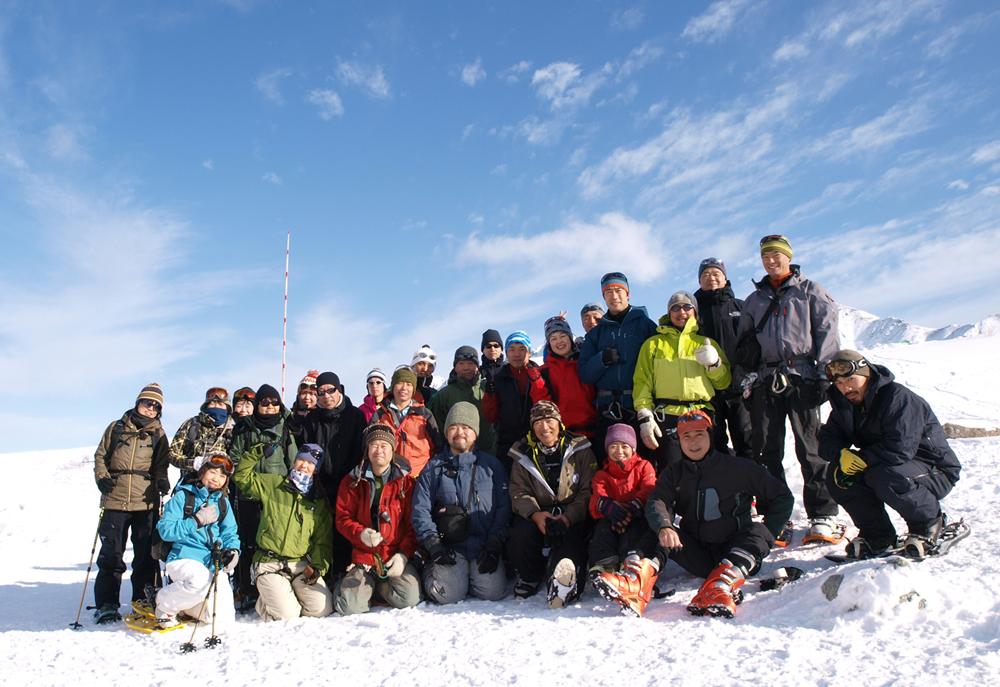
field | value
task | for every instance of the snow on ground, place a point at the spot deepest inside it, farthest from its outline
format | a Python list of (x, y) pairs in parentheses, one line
[(935, 622)]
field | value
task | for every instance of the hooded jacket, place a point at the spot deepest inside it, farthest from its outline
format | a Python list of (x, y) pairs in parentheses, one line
[(140, 457), (530, 492), (719, 313), (368, 407), (189, 540), (395, 508), (560, 383), (627, 337), (892, 426), (338, 432), (417, 435), (622, 482), (277, 443), (198, 436)]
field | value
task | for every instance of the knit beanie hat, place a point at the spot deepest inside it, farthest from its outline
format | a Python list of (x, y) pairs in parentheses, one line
[(591, 307), (466, 353), (620, 432), (244, 393), (404, 374), (557, 324), (463, 413), (776, 242), (520, 337), (379, 432), (613, 279), (681, 298), (151, 392), (326, 378), (268, 391), (694, 419), (309, 379), (312, 453), (544, 410), (490, 336), (377, 373), (425, 354), (708, 263)]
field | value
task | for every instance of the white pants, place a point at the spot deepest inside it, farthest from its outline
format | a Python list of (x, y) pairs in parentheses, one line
[(189, 583)]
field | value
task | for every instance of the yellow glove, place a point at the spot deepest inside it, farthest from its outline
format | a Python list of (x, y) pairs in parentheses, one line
[(851, 463)]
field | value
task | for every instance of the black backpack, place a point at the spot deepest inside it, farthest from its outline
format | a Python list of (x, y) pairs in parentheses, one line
[(159, 548)]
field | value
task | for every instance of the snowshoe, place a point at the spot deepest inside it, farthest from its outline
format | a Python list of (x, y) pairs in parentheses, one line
[(632, 588), (720, 593), (780, 578), (825, 531), (106, 614), (147, 625), (562, 587), (784, 537), (919, 547)]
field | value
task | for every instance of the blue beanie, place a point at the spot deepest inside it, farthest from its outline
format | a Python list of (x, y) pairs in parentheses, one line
[(520, 337)]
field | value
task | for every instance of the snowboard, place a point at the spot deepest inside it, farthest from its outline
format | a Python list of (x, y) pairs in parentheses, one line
[(951, 534)]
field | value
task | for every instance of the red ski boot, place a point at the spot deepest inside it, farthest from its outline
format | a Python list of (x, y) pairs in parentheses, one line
[(720, 593), (632, 588)]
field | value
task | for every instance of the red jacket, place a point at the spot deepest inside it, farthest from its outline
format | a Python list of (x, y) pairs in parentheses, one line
[(353, 513), (417, 435), (561, 384), (369, 407), (622, 482)]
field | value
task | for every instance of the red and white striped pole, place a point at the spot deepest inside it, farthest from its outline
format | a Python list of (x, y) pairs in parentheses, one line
[(284, 320)]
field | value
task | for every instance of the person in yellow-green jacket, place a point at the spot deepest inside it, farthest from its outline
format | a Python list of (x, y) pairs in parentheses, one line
[(295, 536), (678, 370)]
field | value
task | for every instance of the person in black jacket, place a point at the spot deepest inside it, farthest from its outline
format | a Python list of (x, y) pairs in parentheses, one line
[(717, 538), (336, 425), (719, 319), (492, 351), (886, 448), (507, 401)]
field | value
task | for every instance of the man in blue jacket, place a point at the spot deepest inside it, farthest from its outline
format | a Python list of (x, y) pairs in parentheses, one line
[(609, 353), (461, 510), (885, 448)]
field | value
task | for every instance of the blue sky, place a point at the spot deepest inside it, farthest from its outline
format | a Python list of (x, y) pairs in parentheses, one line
[(448, 167)]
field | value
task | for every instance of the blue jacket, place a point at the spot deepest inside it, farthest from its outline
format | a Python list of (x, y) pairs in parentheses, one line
[(489, 511), (189, 540), (627, 336)]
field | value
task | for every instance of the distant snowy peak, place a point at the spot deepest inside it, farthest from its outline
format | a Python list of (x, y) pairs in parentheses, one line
[(860, 329)]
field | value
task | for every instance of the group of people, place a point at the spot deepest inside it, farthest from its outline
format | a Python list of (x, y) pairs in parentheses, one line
[(638, 443)]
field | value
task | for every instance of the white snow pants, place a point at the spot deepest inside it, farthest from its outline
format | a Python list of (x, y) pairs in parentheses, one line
[(189, 583)]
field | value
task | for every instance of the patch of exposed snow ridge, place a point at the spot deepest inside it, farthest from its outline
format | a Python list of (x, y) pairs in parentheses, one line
[(863, 330)]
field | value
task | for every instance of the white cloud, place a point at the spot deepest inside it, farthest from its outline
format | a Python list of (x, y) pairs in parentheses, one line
[(563, 85), (958, 185), (369, 79), (62, 142), (639, 57), (987, 153), (536, 131), (473, 73), (790, 50), (269, 84), (467, 131), (715, 22), (208, 164), (328, 103), (513, 73), (944, 43), (879, 20), (628, 19), (902, 120), (499, 171), (476, 218), (272, 178)]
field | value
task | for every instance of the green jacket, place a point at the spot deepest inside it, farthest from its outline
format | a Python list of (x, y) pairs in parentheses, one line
[(456, 390), (277, 443), (292, 526), (667, 369)]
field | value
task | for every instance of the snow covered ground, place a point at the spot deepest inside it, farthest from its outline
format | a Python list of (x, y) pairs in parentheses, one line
[(936, 622)]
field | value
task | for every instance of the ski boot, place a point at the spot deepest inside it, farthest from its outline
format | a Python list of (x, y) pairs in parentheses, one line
[(524, 588), (824, 530), (107, 613), (632, 588), (861, 549), (720, 593), (562, 588), (922, 541), (784, 537)]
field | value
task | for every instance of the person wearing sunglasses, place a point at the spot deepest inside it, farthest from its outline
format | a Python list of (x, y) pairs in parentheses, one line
[(885, 447), (491, 349), (678, 370), (465, 383), (130, 469), (210, 430), (376, 383), (788, 327), (193, 521)]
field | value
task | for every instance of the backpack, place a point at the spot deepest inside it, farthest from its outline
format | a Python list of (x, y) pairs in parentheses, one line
[(159, 548)]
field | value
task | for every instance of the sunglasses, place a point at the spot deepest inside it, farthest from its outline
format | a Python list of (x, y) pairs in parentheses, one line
[(327, 392), (773, 237), (677, 307), (376, 381), (269, 402), (146, 403), (219, 461), (492, 344), (839, 369)]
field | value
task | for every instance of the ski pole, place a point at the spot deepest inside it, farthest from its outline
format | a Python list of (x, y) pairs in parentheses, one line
[(76, 623), (214, 639), (189, 646)]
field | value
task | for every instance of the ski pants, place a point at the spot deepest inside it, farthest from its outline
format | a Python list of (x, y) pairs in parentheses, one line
[(448, 584), (247, 523), (913, 489), (284, 594), (357, 587), (769, 413), (188, 593), (609, 548), (534, 555), (700, 558), (732, 426), (114, 531)]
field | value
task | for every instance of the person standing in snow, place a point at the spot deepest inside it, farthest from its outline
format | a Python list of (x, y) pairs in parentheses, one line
[(377, 385), (788, 327), (465, 384), (678, 370), (423, 364), (558, 379), (130, 469), (550, 493), (242, 404), (210, 430), (492, 352), (590, 315), (885, 447), (461, 509), (294, 538), (417, 435), (190, 566), (507, 402), (374, 508), (719, 312), (305, 401), (717, 537)]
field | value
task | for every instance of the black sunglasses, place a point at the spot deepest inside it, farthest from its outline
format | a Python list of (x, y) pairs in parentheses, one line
[(268, 402), (146, 403), (327, 392)]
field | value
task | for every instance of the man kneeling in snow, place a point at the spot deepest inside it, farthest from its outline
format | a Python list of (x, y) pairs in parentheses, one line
[(717, 538), (195, 531), (901, 460)]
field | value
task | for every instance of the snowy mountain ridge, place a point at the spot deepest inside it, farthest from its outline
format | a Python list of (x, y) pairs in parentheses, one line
[(862, 330)]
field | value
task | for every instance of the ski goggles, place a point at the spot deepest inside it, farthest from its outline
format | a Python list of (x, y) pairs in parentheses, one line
[(220, 461), (839, 369), (244, 397)]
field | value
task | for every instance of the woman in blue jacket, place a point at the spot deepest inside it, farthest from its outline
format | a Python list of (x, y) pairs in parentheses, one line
[(194, 527)]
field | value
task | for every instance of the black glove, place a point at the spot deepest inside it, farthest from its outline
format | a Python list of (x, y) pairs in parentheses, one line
[(488, 559), (618, 514), (439, 553), (609, 356), (555, 527), (163, 486), (105, 485), (635, 507)]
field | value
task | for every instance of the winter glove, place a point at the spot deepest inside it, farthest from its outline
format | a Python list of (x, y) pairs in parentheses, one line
[(534, 373), (635, 507), (438, 553), (395, 565), (555, 527), (649, 430), (206, 515), (105, 485), (707, 356), (851, 463), (163, 486), (370, 537), (488, 559), (230, 557), (609, 356), (618, 514)]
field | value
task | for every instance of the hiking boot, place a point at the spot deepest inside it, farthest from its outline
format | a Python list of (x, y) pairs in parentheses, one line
[(720, 593), (107, 613), (524, 588), (922, 541), (824, 529), (562, 589), (165, 620), (632, 588), (860, 548)]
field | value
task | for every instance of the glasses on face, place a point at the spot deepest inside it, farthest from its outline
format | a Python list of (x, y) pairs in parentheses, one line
[(372, 382), (327, 392), (492, 344), (677, 307), (222, 462), (840, 369), (269, 402), (773, 237), (146, 403)]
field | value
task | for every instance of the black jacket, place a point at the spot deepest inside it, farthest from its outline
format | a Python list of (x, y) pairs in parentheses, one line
[(719, 319), (513, 407), (713, 497), (338, 432), (892, 426)]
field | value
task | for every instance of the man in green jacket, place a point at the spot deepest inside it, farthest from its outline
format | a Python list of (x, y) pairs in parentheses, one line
[(464, 384), (295, 537)]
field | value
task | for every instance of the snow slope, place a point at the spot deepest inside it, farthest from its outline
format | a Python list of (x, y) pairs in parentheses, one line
[(860, 329), (936, 622)]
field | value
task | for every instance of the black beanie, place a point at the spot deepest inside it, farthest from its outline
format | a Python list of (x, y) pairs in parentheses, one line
[(329, 378), (268, 391), (491, 336)]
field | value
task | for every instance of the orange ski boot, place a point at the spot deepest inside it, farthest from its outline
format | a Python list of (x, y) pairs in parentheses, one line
[(632, 588), (720, 593)]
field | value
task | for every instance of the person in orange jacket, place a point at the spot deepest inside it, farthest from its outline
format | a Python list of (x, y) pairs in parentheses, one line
[(416, 430)]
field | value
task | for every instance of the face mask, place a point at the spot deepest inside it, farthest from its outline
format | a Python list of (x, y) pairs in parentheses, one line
[(217, 414), (300, 480)]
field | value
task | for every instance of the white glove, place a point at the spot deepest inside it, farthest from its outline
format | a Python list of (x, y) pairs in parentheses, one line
[(206, 515), (233, 560), (648, 429), (395, 565), (707, 356), (370, 538)]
